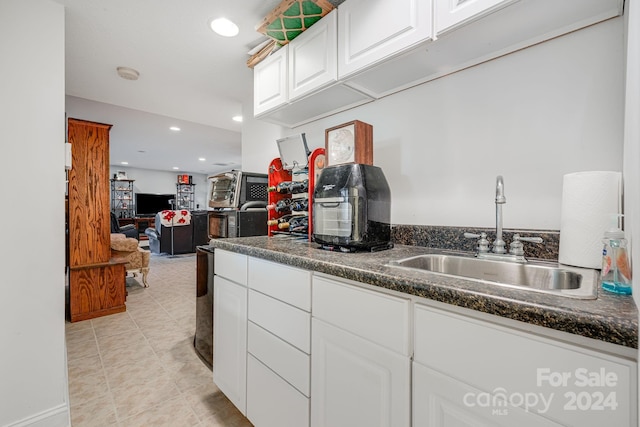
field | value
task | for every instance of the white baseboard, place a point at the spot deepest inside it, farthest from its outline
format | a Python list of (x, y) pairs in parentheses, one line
[(58, 416)]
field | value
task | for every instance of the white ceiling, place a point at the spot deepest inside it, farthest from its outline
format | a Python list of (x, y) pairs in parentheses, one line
[(189, 77)]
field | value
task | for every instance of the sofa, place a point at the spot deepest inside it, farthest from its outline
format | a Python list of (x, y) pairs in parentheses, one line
[(160, 236), (137, 259)]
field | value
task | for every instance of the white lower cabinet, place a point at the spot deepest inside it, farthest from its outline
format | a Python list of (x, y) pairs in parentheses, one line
[(441, 401), (471, 372), (298, 349), (360, 365), (230, 340), (356, 383)]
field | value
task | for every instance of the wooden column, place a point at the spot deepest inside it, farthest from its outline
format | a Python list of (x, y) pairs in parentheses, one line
[(96, 285)]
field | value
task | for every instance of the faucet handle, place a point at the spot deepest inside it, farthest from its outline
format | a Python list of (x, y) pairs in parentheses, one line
[(517, 248), (483, 243), (528, 239)]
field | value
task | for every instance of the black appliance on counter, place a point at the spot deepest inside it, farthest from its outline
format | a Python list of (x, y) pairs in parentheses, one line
[(203, 339), (352, 208), (238, 201)]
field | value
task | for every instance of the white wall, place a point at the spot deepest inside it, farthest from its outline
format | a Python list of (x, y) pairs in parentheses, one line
[(531, 116), (33, 384), (258, 141), (163, 182)]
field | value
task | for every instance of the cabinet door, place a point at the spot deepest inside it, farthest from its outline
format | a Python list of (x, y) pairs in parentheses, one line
[(449, 13), (230, 340), (313, 57), (441, 401), (570, 384), (355, 383), (369, 32), (270, 82)]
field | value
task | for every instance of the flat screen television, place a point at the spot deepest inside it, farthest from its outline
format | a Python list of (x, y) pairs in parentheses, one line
[(149, 204)]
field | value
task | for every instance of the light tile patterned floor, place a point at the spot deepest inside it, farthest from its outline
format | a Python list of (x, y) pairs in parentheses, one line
[(139, 368)]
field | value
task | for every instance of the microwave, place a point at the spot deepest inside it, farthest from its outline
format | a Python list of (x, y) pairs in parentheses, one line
[(234, 189)]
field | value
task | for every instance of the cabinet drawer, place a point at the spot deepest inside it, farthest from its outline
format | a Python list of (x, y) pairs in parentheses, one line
[(287, 284), (283, 320), (281, 357), (375, 316), (231, 266), (271, 401), (490, 358)]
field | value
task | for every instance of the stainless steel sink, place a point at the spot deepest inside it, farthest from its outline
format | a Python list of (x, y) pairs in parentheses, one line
[(539, 277)]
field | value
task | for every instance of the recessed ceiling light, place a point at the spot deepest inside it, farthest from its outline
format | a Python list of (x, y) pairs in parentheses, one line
[(224, 27), (202, 159), (128, 73), (124, 163), (175, 128), (237, 119), (175, 168)]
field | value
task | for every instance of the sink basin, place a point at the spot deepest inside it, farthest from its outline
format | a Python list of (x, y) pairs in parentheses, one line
[(539, 277)]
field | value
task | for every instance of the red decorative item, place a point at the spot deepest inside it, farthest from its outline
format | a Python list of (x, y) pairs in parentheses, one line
[(317, 162), (277, 174), (168, 215)]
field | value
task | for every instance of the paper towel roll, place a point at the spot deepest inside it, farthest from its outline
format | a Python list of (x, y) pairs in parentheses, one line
[(588, 201)]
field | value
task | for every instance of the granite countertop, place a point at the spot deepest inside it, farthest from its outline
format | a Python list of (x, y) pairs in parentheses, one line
[(610, 318)]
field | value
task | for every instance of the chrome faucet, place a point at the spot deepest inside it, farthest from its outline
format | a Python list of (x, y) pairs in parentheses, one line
[(498, 244), (516, 250)]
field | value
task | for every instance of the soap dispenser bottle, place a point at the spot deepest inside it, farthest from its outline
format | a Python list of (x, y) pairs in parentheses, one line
[(616, 271)]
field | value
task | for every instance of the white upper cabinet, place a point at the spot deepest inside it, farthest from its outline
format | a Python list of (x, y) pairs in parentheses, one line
[(385, 46), (448, 13), (301, 84), (468, 32), (270, 82), (313, 57), (371, 31)]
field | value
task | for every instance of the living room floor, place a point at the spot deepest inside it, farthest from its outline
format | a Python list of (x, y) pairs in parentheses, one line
[(139, 368)]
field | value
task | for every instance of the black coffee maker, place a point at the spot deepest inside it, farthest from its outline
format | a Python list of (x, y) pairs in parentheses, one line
[(352, 208)]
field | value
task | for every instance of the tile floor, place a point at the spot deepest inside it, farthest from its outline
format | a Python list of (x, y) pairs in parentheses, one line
[(139, 368)]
